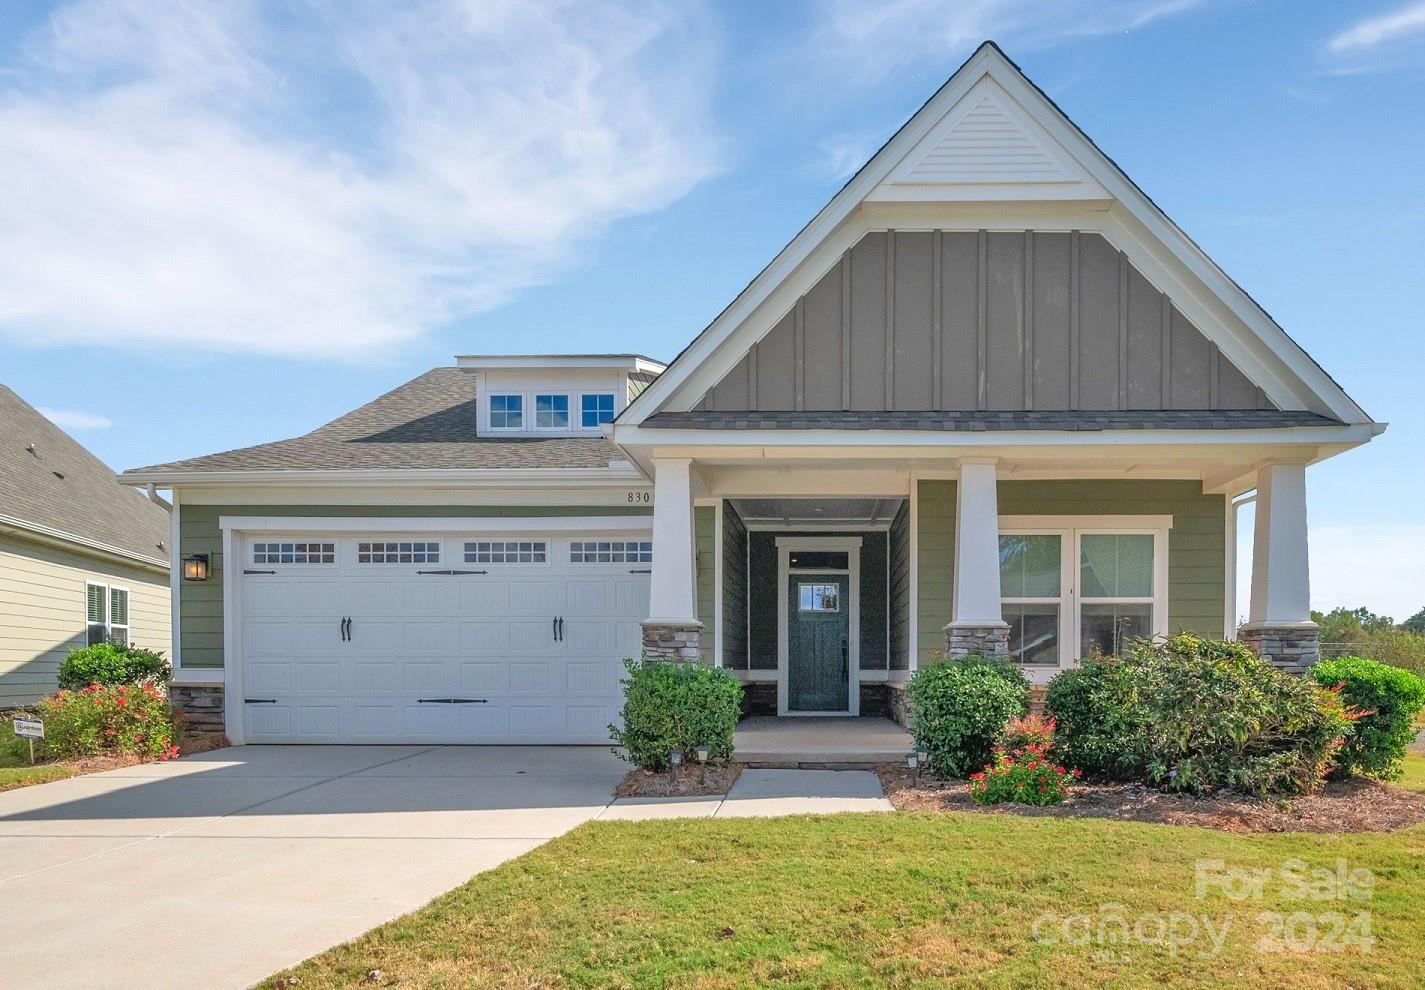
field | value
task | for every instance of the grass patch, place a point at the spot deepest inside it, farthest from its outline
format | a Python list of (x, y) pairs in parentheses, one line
[(12, 777), (898, 900), (1414, 779)]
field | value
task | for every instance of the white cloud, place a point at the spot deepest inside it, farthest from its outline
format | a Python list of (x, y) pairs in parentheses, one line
[(873, 40), (1375, 31), (334, 178), (73, 419)]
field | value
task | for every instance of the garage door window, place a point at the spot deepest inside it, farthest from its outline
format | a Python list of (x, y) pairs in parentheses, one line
[(611, 552), (506, 552), (294, 553), (398, 553)]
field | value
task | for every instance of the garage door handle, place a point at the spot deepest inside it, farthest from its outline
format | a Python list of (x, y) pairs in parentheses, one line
[(561, 629), (453, 701), (346, 630)]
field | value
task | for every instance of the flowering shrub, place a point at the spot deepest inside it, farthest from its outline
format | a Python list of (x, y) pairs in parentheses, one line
[(131, 719), (1028, 778), (1029, 731)]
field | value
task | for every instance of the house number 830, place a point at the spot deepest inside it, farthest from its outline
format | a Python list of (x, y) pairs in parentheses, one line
[(640, 497)]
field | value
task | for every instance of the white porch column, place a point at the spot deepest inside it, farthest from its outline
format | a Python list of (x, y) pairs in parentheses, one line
[(672, 630), (1279, 625), (977, 624)]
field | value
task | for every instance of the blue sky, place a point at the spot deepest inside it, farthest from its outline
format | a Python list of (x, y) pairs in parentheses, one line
[(229, 223)]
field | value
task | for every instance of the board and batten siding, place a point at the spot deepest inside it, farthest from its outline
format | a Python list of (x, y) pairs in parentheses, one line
[(43, 612), (705, 587), (201, 605), (1197, 544), (734, 588), (983, 320)]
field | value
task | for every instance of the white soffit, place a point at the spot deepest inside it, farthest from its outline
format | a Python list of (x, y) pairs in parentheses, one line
[(986, 148)]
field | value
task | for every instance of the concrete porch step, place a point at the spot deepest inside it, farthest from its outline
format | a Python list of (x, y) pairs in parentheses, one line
[(835, 743)]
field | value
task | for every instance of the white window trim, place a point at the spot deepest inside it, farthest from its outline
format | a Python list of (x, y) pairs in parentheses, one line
[(597, 427), (490, 412), (107, 622), (852, 546), (534, 426), (1071, 530)]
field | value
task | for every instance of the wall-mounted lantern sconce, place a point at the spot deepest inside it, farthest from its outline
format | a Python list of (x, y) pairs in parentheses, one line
[(195, 567)]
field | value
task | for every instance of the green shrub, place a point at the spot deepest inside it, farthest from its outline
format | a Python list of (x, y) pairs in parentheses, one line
[(1026, 778), (128, 719), (1100, 719), (680, 706), (1389, 698), (959, 707), (1196, 715), (112, 663)]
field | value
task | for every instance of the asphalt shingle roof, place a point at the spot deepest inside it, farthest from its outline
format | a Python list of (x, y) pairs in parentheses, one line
[(48, 479), (980, 422), (427, 423)]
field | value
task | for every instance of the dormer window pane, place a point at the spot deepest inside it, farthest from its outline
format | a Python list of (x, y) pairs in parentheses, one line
[(506, 412), (594, 410), (551, 412)]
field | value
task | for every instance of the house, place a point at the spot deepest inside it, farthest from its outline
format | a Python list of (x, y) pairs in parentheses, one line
[(83, 558), (989, 399)]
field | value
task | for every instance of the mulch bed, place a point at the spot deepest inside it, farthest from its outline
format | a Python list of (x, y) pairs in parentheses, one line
[(1355, 805), (715, 778)]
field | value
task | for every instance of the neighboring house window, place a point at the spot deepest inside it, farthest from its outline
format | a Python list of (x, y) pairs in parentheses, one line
[(106, 614), (294, 553), (400, 552), (506, 412), (1069, 591), (1115, 590), (611, 552), (595, 410), (1030, 576), (506, 552), (551, 412)]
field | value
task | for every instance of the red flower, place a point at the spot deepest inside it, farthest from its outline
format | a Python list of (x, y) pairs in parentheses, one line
[(122, 702)]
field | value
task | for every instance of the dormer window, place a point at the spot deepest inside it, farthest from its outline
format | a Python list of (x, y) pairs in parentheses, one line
[(595, 410), (551, 412), (506, 412)]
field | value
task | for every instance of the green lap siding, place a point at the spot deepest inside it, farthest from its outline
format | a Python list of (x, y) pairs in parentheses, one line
[(1197, 544), (705, 544), (201, 605)]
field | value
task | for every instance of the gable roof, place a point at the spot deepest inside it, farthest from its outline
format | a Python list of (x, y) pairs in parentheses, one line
[(427, 424), (1026, 151), (51, 485)]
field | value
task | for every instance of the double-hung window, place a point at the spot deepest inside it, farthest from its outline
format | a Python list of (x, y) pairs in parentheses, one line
[(1071, 587), (106, 613)]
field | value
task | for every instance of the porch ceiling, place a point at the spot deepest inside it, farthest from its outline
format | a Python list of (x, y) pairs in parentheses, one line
[(852, 512)]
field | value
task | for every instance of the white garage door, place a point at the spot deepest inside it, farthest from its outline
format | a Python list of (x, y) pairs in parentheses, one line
[(479, 638)]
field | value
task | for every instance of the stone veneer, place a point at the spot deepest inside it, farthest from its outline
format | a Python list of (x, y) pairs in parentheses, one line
[(672, 640), (985, 641), (201, 706), (1293, 648), (898, 704)]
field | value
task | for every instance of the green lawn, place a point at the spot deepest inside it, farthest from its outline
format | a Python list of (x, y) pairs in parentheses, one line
[(15, 769), (896, 900), (1414, 778)]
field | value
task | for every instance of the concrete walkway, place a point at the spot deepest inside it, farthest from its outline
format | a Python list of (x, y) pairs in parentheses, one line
[(218, 870), (759, 793)]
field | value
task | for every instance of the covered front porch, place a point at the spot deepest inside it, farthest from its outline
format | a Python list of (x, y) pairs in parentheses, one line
[(838, 743), (824, 576)]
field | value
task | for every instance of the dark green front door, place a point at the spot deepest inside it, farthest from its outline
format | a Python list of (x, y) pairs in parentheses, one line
[(818, 631)]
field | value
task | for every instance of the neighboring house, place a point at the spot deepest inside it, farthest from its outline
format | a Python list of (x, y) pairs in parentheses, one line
[(83, 558), (989, 399)]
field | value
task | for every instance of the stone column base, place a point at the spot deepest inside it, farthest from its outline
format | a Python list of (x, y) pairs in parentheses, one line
[(201, 706), (898, 704), (980, 640), (1293, 648), (672, 640)]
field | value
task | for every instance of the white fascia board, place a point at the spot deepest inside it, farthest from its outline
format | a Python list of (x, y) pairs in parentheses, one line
[(51, 535), (862, 442), (808, 248), (418, 524), (630, 362), (619, 473)]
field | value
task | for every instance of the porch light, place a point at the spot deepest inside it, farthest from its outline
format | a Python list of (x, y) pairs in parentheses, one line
[(195, 567)]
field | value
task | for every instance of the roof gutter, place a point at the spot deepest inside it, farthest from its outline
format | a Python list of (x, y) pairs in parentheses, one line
[(49, 534), (617, 474)]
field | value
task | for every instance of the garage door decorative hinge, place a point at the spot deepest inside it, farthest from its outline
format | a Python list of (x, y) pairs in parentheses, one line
[(248, 570), (452, 572), (259, 701), (453, 701)]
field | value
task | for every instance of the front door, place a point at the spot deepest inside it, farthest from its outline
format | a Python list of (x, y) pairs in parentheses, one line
[(818, 646)]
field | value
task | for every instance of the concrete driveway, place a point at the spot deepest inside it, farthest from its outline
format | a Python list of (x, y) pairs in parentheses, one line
[(217, 870)]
